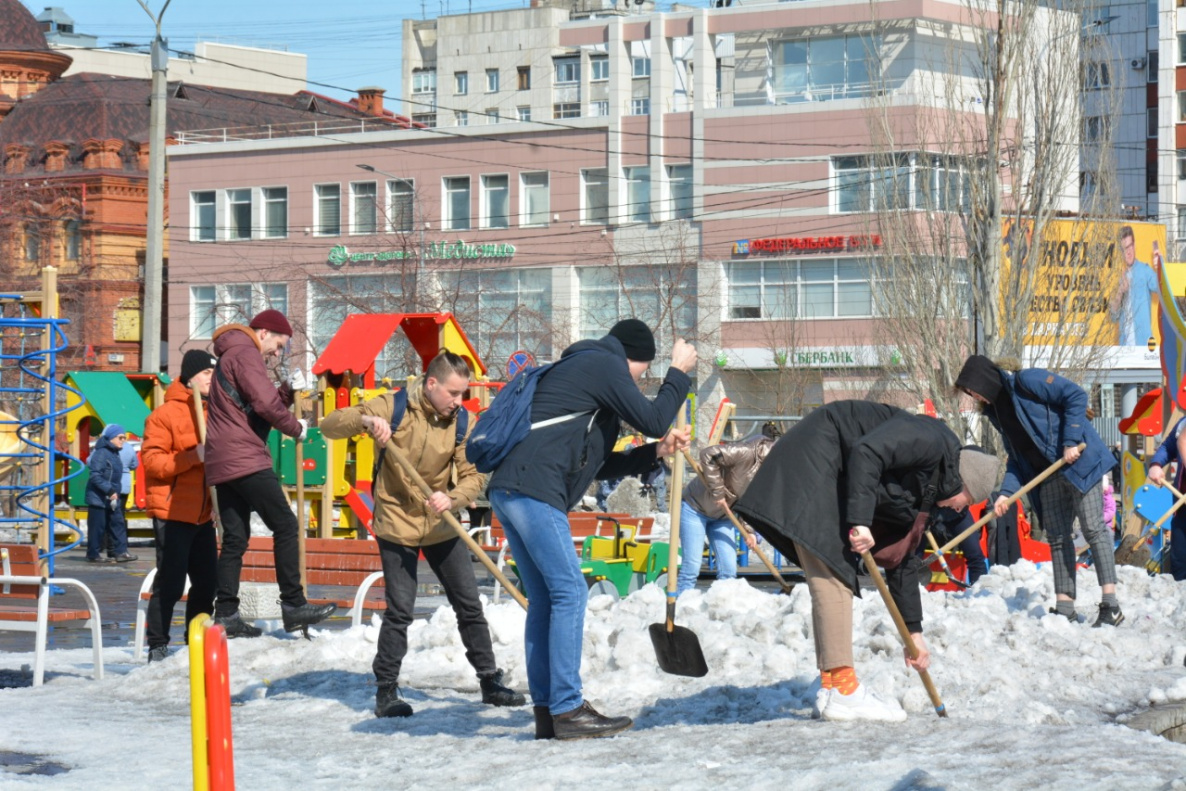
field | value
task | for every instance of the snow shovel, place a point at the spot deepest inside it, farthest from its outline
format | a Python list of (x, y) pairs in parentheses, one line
[(426, 490), (201, 415), (1124, 553), (943, 561), (911, 648), (741, 526), (676, 647), (988, 511)]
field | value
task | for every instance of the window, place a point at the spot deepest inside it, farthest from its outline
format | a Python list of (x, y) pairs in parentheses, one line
[(1151, 63), (824, 288), (523, 74), (595, 196), (566, 110), (275, 212), (598, 109), (1181, 49), (679, 181), (1093, 128), (491, 80), (72, 231), (362, 201), (460, 83), (1096, 76), (640, 67), (461, 118), (424, 81), (1181, 164), (492, 115), (824, 68), (428, 119), (203, 220), (568, 70), (638, 194), (662, 296), (328, 210), (32, 242), (598, 69), (496, 199), (534, 199), (213, 306), (505, 310), (402, 209), (901, 181), (523, 113), (1150, 13), (640, 106), (456, 203), (238, 214)]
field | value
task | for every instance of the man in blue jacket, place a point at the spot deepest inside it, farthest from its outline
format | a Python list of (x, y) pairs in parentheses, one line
[(544, 476), (1042, 418)]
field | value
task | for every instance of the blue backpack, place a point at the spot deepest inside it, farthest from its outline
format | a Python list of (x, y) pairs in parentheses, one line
[(507, 421)]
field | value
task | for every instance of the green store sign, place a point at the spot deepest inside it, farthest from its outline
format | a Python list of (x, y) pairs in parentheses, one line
[(340, 256)]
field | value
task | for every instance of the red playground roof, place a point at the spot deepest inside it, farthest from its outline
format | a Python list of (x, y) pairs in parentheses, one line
[(363, 335)]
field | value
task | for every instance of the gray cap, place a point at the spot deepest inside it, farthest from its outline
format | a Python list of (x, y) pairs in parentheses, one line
[(979, 472)]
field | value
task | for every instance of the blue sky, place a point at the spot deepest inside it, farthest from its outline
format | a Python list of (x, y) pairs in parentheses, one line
[(350, 43)]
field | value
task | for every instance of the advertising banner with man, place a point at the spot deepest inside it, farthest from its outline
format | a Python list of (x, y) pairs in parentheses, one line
[(1095, 283)]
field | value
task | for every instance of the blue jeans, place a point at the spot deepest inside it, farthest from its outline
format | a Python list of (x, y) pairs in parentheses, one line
[(543, 551), (693, 526), (99, 520)]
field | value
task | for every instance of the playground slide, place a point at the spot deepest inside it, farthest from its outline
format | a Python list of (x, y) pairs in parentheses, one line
[(10, 444)]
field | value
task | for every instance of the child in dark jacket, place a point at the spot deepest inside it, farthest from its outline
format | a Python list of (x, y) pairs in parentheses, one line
[(1171, 451), (102, 494)]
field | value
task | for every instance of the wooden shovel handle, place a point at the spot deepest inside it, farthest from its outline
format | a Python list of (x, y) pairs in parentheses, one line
[(200, 414)]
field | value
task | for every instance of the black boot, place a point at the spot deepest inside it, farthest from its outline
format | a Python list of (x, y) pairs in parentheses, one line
[(388, 703), (584, 722), (234, 626), (1110, 615), (543, 723), (495, 694), (301, 618)]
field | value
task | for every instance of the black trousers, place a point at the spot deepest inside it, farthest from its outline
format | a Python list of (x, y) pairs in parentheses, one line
[(259, 492), (183, 549), (450, 561)]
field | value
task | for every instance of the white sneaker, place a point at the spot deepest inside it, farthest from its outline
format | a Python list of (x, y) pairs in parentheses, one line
[(862, 705)]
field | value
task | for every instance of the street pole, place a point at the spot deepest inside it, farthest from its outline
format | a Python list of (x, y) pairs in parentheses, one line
[(150, 330)]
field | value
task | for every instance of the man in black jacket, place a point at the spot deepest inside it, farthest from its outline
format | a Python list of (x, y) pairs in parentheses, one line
[(885, 465), (594, 386)]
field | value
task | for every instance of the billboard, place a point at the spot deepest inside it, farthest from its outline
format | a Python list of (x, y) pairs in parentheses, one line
[(1095, 283)]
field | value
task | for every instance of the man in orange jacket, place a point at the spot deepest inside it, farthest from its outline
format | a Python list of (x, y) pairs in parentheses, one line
[(179, 503)]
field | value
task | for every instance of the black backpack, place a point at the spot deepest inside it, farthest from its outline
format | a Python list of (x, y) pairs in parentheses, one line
[(399, 406)]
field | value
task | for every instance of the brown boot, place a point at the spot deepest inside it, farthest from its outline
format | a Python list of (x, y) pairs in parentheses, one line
[(543, 723), (584, 722)]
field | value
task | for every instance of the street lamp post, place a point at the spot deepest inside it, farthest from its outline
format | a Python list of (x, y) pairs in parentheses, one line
[(154, 253), (417, 224)]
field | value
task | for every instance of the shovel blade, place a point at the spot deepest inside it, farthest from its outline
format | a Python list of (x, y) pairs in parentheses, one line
[(678, 651)]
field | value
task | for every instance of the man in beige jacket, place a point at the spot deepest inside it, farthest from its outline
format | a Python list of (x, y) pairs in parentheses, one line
[(406, 523)]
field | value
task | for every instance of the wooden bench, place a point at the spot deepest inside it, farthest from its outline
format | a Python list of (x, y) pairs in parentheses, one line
[(334, 562), (24, 604), (581, 524)]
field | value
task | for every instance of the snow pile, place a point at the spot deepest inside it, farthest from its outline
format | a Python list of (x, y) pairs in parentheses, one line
[(1033, 701)]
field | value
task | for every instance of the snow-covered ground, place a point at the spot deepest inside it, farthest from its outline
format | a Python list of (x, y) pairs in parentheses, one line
[(1034, 702)]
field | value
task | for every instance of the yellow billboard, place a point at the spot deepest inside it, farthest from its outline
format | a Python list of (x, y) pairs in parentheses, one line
[(1094, 282)]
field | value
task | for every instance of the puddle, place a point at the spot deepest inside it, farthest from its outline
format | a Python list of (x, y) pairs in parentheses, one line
[(29, 764)]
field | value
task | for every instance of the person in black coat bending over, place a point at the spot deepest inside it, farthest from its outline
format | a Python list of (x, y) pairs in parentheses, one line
[(595, 384), (853, 476)]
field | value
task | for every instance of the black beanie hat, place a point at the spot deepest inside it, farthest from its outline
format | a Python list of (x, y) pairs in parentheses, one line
[(194, 362), (981, 376), (636, 338)]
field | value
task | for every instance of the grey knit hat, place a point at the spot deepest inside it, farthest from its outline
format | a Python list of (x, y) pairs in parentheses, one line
[(979, 472)]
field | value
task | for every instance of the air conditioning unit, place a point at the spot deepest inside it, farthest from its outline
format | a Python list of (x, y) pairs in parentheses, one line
[(1137, 63)]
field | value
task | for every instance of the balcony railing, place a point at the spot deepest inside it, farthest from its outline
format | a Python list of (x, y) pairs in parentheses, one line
[(332, 126)]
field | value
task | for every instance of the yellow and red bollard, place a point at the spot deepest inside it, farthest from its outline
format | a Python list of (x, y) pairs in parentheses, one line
[(210, 706)]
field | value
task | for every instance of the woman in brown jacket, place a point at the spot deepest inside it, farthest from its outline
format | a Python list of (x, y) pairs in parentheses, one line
[(179, 504)]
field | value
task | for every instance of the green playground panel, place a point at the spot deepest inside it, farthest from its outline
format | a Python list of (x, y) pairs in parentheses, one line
[(283, 451)]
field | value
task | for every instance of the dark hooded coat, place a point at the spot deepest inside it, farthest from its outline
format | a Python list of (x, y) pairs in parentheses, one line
[(853, 463)]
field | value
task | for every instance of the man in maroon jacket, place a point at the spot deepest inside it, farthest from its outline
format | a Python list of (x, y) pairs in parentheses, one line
[(244, 406)]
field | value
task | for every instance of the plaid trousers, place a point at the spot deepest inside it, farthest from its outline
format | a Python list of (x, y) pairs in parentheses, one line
[(1062, 504)]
